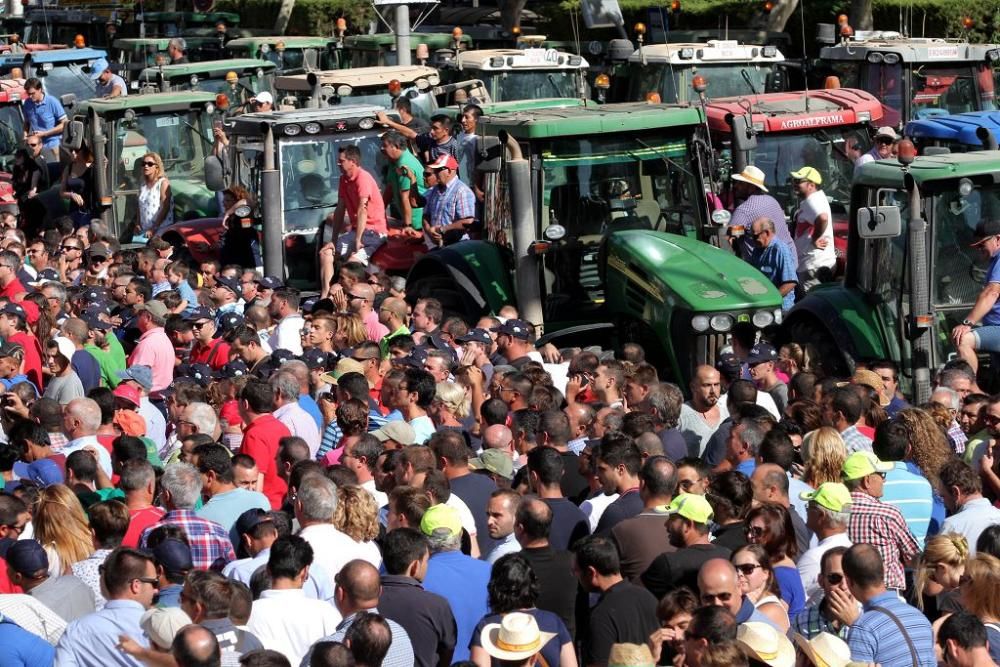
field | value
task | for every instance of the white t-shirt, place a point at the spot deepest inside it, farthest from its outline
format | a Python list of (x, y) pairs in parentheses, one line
[(811, 257)]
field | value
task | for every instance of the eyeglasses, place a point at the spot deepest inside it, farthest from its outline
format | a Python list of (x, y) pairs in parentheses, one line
[(429, 173), (746, 569), (834, 578), (148, 164), (991, 418), (352, 297), (17, 527)]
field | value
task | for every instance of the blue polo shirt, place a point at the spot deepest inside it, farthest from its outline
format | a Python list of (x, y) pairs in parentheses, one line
[(461, 581), (778, 263), (913, 496), (992, 318), (45, 115), (23, 649), (874, 637)]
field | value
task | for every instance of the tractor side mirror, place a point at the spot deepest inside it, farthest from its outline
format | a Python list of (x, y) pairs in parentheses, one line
[(68, 100), (879, 222), (215, 171), (744, 137), (488, 155), (73, 135)]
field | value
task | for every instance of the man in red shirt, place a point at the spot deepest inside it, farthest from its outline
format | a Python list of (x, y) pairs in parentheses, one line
[(138, 481), (209, 348), (14, 329), (362, 204), (11, 288), (261, 437)]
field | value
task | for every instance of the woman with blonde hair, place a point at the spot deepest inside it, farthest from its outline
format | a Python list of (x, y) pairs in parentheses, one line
[(450, 405), (824, 453), (348, 331), (156, 202), (939, 570), (933, 451), (357, 517), (62, 528), (979, 593), (793, 358)]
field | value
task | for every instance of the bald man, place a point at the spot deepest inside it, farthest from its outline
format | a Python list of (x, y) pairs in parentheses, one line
[(393, 314), (358, 590), (500, 437), (701, 416), (361, 301), (195, 645), (719, 586), (770, 485)]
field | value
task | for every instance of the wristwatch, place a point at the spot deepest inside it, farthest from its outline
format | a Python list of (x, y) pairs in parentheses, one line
[(968, 323)]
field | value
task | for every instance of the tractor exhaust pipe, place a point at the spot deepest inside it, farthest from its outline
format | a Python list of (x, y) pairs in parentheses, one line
[(986, 137), (522, 213)]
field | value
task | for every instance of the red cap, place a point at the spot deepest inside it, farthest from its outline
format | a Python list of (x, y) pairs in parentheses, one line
[(128, 393), (30, 310), (445, 161)]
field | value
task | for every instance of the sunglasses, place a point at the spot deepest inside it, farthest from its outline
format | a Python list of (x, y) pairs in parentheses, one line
[(36, 145), (152, 581), (430, 173), (755, 531), (991, 419), (148, 164), (834, 578), (746, 569), (70, 247)]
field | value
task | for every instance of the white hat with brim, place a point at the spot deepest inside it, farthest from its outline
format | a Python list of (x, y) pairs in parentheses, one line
[(762, 642), (753, 176), (825, 649), (515, 637)]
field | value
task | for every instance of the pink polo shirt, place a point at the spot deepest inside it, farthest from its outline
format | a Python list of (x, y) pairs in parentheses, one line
[(374, 329), (156, 351), (352, 191)]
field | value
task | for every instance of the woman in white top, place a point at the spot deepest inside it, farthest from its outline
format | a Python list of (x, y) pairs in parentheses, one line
[(757, 582), (156, 202)]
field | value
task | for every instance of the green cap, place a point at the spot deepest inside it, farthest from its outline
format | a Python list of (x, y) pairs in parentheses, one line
[(834, 496), (495, 462), (441, 516), (691, 506), (862, 464)]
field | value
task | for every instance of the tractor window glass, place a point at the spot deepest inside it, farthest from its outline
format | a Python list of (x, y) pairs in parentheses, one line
[(938, 91)]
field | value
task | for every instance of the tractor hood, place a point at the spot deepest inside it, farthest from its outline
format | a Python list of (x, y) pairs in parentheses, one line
[(684, 272)]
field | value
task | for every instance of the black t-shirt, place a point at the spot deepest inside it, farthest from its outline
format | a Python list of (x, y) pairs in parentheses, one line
[(569, 523), (559, 590), (626, 506), (574, 485), (670, 571), (674, 446), (425, 616), (475, 490), (625, 613), (732, 536)]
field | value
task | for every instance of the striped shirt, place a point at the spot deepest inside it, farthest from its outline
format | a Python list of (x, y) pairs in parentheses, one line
[(875, 637), (913, 496), (882, 526)]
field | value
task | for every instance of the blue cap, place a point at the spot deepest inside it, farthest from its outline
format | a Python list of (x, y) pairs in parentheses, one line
[(231, 284), (95, 322), (516, 328), (269, 282), (97, 69), (141, 374), (228, 322), (315, 358), (762, 352), (476, 336), (202, 374), (45, 472), (280, 356), (174, 556), (27, 557), (200, 313), (234, 369)]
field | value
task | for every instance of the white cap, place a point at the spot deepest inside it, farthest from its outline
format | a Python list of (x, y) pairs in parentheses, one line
[(264, 98)]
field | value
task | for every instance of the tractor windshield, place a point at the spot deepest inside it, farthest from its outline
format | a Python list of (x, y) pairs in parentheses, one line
[(310, 178), (69, 78), (938, 90), (11, 129), (531, 84), (728, 80)]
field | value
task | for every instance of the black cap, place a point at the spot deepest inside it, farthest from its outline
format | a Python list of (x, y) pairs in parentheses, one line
[(231, 284), (985, 229), (476, 336), (251, 519), (202, 374), (234, 369), (174, 556), (200, 313), (269, 282), (280, 356), (94, 322), (11, 308), (516, 328), (228, 322), (315, 358), (27, 557)]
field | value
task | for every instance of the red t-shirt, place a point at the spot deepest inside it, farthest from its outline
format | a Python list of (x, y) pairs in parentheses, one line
[(140, 520), (201, 354), (260, 441), (351, 193), (6, 587), (12, 290), (32, 356)]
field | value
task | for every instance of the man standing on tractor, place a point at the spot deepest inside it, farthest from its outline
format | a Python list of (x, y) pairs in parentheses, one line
[(987, 309), (362, 205), (813, 231)]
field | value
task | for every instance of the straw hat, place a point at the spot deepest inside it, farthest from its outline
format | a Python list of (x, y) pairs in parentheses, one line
[(761, 642), (515, 637), (751, 175), (630, 655), (825, 650)]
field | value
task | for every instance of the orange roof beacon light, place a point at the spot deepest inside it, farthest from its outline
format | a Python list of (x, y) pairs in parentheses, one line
[(221, 102), (640, 33), (16, 73), (675, 6), (846, 31), (422, 53), (341, 25), (968, 22), (653, 98), (395, 87), (79, 42), (768, 6), (279, 47), (831, 83), (842, 19), (602, 81), (906, 152), (699, 83), (516, 30)]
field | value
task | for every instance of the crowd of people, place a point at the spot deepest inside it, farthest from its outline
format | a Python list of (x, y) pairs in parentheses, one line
[(202, 468)]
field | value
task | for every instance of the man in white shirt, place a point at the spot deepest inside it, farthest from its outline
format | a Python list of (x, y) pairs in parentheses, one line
[(961, 489), (361, 456), (813, 230), (283, 618), (284, 309), (315, 504), (81, 419), (288, 411), (826, 515), (701, 416)]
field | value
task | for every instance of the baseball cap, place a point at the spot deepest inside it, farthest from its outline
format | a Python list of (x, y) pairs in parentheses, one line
[(173, 555), (157, 309), (269, 282), (66, 348), (43, 472), (127, 392), (97, 69), (264, 97), (27, 557), (444, 161), (807, 174), (199, 313), (251, 519), (231, 284), (9, 349), (834, 496), (281, 355), (494, 461), (441, 516), (476, 336), (871, 379), (762, 352), (397, 431), (234, 369), (11, 308), (728, 364), (691, 506), (516, 328), (141, 374), (99, 250), (95, 322), (862, 464), (202, 374), (228, 322), (984, 230), (888, 132), (315, 358), (161, 624), (344, 366)]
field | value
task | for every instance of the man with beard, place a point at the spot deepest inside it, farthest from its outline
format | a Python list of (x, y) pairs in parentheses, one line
[(284, 309), (104, 348), (689, 516), (701, 416), (515, 341)]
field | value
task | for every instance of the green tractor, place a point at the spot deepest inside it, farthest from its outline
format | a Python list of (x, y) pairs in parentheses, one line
[(911, 273), (596, 226)]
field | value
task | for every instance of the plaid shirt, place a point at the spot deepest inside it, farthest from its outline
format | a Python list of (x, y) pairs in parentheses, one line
[(756, 206), (957, 437), (811, 621), (882, 525), (855, 440), (210, 545), (57, 441), (455, 202)]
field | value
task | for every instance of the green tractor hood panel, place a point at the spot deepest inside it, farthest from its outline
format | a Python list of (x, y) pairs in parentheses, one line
[(680, 271)]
